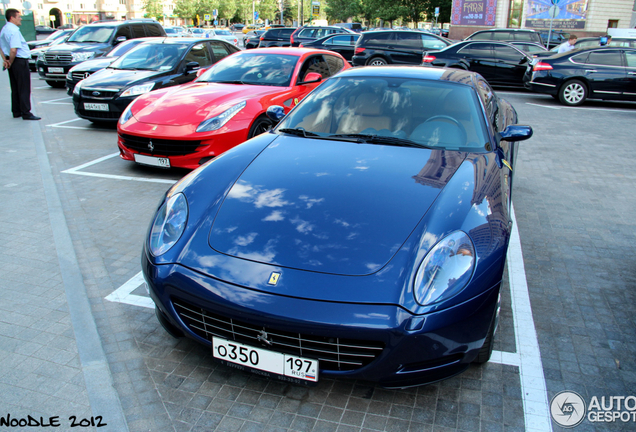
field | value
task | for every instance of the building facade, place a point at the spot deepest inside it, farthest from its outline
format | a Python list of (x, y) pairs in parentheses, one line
[(583, 17)]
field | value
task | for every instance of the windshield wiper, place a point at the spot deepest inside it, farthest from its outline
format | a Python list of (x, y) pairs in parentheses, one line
[(298, 132), (378, 139), (229, 82)]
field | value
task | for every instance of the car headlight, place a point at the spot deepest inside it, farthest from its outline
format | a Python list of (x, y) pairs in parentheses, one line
[(217, 122), (40, 56), (82, 56), (445, 270), (69, 76), (138, 89), (126, 115), (169, 224), (77, 88)]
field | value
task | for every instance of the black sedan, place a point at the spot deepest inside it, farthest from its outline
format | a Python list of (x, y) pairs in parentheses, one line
[(162, 62), (252, 39), (500, 63), (343, 44), (89, 67), (607, 73)]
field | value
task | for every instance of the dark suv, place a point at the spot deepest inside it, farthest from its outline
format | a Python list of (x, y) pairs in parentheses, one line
[(91, 41), (276, 37), (383, 47), (311, 33), (507, 35)]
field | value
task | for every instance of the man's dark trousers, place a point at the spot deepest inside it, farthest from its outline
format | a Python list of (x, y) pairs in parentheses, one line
[(20, 79)]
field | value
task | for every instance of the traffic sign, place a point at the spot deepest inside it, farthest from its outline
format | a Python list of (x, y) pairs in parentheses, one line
[(215, 12), (69, 15), (206, 17), (256, 15), (216, 22), (554, 11)]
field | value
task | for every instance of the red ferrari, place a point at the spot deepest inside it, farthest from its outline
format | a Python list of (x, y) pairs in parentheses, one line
[(187, 125)]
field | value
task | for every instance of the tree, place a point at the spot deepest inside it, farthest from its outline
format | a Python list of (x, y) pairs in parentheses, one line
[(186, 9), (154, 9), (342, 10)]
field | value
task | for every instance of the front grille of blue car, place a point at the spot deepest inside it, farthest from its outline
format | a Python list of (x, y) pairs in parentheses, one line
[(333, 353)]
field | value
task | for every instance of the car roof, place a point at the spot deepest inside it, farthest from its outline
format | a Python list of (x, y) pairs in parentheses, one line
[(415, 72), (289, 51), (180, 41)]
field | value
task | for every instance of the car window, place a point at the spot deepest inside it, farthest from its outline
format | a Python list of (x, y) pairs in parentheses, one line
[(253, 68), (487, 96), (587, 43), (481, 36), (92, 33), (432, 43), (630, 57), (507, 53), (408, 40), (525, 36), (138, 30), (123, 31), (502, 36), (306, 32), (605, 58), (477, 50), (153, 30), (314, 64), (580, 58), (435, 114), (341, 40), (220, 50), (377, 38), (151, 56), (335, 64), (124, 47), (200, 54)]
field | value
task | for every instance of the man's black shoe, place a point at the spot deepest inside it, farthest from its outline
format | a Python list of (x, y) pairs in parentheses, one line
[(17, 115), (30, 117)]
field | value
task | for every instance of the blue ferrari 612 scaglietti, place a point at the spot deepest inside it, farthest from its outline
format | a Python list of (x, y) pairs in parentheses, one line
[(363, 237)]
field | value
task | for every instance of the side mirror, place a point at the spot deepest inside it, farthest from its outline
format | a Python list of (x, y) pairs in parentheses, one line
[(275, 113), (190, 66), (523, 60), (516, 133), (120, 39), (310, 78)]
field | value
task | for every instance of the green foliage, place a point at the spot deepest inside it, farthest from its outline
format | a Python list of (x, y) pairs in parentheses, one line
[(342, 10), (154, 9)]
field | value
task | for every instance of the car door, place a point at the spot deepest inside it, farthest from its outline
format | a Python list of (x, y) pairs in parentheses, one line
[(343, 44), (510, 67), (199, 53), (630, 67), (480, 58), (605, 72), (407, 48)]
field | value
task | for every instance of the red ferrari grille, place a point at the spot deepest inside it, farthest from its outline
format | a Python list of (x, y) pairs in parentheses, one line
[(159, 147), (333, 353)]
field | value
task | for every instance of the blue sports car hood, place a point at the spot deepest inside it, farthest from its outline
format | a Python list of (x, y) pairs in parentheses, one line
[(329, 206)]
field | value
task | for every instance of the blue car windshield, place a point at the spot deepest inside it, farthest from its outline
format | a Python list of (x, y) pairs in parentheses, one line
[(92, 33), (429, 113), (151, 56), (253, 69)]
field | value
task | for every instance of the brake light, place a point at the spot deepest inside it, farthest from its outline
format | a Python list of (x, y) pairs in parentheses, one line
[(428, 58), (300, 46), (541, 66), (359, 50), (262, 38), (291, 39)]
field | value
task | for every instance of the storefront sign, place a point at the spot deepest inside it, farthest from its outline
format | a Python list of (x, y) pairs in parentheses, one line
[(571, 15), (474, 12)]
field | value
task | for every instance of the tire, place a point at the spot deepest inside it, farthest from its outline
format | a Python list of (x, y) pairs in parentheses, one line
[(377, 61), (261, 125), (56, 84), (573, 93)]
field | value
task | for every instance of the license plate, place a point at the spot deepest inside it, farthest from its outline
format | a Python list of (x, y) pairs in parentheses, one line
[(153, 161), (56, 70), (265, 360), (95, 107)]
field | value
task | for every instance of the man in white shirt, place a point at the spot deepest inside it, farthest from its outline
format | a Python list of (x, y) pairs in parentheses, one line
[(569, 45), (15, 57)]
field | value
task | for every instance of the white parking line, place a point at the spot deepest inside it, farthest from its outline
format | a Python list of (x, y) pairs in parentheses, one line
[(55, 101), (77, 171), (527, 358), (544, 106), (60, 125)]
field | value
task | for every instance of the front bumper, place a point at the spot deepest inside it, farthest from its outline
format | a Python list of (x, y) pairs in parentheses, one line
[(413, 350), (85, 107)]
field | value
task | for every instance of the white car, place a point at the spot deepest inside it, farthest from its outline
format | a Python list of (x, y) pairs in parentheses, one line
[(217, 33)]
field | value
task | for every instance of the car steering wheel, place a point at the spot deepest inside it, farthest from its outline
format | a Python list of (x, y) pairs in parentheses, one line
[(445, 117)]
